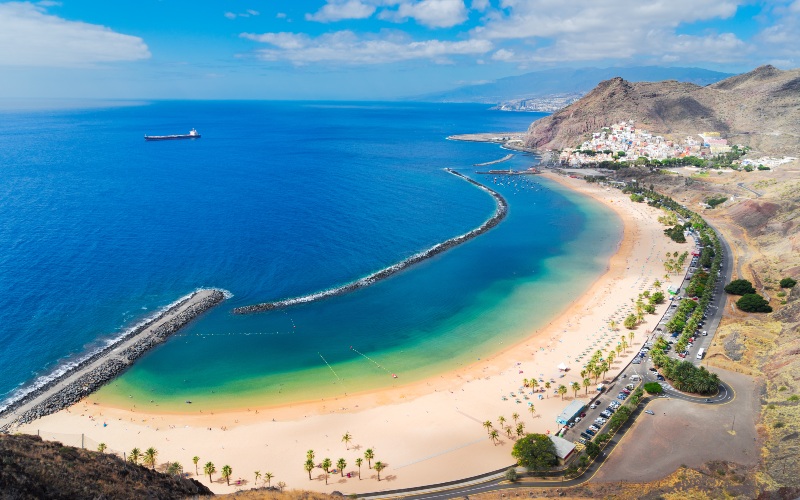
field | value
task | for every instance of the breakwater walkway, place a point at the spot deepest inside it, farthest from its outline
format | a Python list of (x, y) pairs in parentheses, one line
[(501, 160), (501, 210), (95, 370)]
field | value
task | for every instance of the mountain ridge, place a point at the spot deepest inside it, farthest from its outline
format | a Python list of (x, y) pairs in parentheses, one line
[(561, 81), (760, 109)]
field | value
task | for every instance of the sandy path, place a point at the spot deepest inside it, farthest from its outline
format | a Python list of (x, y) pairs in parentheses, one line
[(426, 432)]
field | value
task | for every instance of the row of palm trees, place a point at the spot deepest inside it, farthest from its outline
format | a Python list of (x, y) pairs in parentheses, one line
[(341, 464), (518, 428)]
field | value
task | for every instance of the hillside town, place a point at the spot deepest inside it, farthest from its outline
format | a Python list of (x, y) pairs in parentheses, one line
[(624, 142)]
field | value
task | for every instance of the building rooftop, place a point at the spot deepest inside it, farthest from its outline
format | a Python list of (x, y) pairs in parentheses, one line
[(563, 447)]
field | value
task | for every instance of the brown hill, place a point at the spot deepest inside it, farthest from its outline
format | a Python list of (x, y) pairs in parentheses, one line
[(31, 469), (760, 109)]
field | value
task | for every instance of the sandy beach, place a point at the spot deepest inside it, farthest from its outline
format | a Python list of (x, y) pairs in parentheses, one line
[(427, 432)]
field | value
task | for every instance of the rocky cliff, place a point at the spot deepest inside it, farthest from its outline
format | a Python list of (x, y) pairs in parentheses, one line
[(760, 109)]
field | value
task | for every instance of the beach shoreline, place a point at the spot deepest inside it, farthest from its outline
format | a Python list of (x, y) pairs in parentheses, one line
[(427, 431)]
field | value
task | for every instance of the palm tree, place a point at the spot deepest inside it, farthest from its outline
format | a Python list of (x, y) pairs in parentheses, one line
[(494, 436), (359, 461), (532, 409), (605, 368), (310, 455), (369, 455), (525, 382), (101, 447), (309, 466), (610, 357), (501, 420), (281, 486), (575, 388), (174, 468), (135, 455), (268, 478), (562, 389), (520, 429), (547, 391), (341, 464), (586, 384), (657, 284), (509, 432), (258, 475), (612, 325), (379, 466), (583, 373), (209, 469), (630, 335), (150, 455), (534, 383), (515, 416), (347, 438), (488, 425), (226, 473), (195, 459), (326, 466), (619, 348)]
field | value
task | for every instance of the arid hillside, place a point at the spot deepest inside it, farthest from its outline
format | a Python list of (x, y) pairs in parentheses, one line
[(32, 469), (761, 222), (760, 109)]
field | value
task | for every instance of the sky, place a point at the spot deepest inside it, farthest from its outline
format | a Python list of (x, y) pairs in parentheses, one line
[(365, 49)]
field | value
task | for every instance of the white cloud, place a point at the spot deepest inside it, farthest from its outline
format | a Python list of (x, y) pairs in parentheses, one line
[(503, 55), (345, 47), (582, 30), (479, 5), (548, 18), (247, 13), (430, 13), (280, 15), (29, 36), (336, 10)]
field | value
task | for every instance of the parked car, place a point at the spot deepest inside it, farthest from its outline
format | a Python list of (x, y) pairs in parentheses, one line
[(589, 432), (586, 436), (649, 412), (593, 406), (594, 428), (659, 377)]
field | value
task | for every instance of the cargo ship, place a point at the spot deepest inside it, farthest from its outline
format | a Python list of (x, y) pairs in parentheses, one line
[(191, 135)]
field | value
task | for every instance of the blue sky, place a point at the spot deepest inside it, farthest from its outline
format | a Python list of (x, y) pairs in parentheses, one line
[(365, 49)]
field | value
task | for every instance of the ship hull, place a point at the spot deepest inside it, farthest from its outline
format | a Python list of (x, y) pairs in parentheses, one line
[(170, 137)]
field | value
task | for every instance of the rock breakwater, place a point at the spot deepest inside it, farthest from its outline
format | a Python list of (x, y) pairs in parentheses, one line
[(501, 210), (93, 371)]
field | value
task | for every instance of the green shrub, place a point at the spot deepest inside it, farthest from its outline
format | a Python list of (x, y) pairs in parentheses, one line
[(739, 287), (536, 452), (794, 397), (778, 425), (653, 388), (713, 202), (511, 474), (753, 302), (788, 282)]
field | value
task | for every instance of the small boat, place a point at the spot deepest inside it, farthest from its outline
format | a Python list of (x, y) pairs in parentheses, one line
[(394, 376), (191, 135), (188, 402)]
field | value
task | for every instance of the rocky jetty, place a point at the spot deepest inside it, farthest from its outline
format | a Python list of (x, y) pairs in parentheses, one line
[(499, 214), (103, 365)]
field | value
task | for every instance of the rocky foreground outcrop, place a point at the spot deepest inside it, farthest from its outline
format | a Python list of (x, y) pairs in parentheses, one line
[(760, 109), (32, 469)]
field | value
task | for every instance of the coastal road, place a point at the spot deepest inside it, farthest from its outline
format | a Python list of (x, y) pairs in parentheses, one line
[(9, 417), (496, 482)]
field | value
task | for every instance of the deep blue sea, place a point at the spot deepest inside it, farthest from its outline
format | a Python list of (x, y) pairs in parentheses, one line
[(100, 228)]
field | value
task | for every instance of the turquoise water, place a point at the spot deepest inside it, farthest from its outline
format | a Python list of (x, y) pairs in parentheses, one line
[(276, 200)]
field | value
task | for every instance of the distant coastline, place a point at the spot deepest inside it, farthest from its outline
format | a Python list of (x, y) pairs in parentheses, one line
[(501, 210)]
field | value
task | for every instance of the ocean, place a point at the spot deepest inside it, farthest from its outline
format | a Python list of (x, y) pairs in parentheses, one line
[(277, 199)]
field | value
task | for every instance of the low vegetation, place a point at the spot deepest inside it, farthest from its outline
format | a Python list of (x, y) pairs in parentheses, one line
[(753, 302), (535, 452), (739, 287), (686, 377), (653, 388), (788, 283)]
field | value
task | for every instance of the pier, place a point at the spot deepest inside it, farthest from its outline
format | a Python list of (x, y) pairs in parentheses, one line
[(501, 160), (100, 367), (501, 210)]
